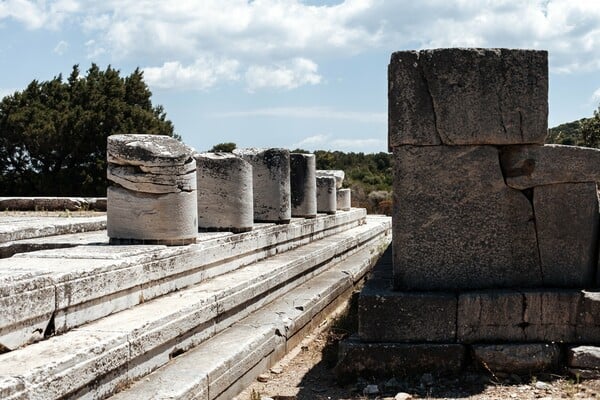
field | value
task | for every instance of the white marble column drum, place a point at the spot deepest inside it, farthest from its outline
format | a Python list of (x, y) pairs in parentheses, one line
[(151, 197), (270, 183), (225, 197), (344, 199), (326, 195), (303, 185)]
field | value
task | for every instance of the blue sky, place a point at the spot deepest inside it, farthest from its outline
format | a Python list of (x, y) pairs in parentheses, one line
[(290, 73)]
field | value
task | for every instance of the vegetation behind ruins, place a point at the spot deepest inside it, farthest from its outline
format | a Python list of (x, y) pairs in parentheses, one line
[(53, 133)]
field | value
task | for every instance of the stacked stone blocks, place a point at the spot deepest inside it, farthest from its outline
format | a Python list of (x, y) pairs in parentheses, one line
[(495, 235)]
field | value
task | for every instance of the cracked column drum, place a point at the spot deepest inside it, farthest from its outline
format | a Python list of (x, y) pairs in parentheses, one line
[(270, 183), (344, 199), (326, 194), (225, 200), (303, 185), (151, 196)]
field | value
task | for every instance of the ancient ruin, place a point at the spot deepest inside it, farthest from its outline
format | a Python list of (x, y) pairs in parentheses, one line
[(157, 174), (225, 196), (303, 185), (495, 235)]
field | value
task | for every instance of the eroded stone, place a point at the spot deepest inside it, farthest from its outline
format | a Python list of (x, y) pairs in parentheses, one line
[(587, 357), (567, 220), (529, 166), (343, 199), (326, 195), (303, 185), (147, 150), (338, 174), (467, 96), (517, 358), (457, 225), (225, 196), (271, 183)]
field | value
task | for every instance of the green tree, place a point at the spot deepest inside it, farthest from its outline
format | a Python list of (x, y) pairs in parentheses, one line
[(53, 133), (590, 130), (223, 148)]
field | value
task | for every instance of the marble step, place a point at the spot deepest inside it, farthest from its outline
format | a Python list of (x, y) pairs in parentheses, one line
[(97, 359), (52, 291), (224, 365)]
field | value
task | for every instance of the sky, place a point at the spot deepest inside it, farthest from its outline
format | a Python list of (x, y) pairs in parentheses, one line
[(290, 73)]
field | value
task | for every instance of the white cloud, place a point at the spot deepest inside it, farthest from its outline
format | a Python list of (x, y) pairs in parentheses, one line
[(326, 142), (202, 74), (38, 14), (61, 47), (596, 95), (310, 113), (290, 75)]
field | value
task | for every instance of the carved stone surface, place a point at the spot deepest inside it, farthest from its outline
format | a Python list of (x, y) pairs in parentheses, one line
[(457, 225), (517, 358), (467, 96), (344, 199), (225, 197), (337, 173), (326, 195), (529, 166), (152, 192), (567, 219), (270, 183), (303, 185)]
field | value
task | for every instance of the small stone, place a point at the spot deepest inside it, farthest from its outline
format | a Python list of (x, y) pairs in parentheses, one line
[(371, 390), (542, 385), (402, 396), (427, 379), (392, 384), (276, 370), (263, 378)]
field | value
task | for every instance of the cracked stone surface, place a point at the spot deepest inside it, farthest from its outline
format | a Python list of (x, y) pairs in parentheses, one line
[(467, 96), (303, 185), (530, 166), (456, 223), (270, 183), (151, 204), (326, 195), (225, 196), (533, 315)]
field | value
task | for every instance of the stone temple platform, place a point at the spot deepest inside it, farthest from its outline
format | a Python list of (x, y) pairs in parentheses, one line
[(85, 319)]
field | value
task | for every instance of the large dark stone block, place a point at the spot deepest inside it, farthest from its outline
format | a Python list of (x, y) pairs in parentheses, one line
[(518, 358), (456, 224), (467, 96)]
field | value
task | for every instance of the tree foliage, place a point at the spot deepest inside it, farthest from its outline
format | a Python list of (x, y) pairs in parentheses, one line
[(223, 148), (590, 130), (583, 132), (53, 133)]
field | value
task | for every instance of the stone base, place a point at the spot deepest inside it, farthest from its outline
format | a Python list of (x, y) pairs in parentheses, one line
[(368, 360), (226, 229), (165, 242)]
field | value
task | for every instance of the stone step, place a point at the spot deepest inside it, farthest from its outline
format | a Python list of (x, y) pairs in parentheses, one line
[(22, 227), (224, 365), (95, 360), (52, 291)]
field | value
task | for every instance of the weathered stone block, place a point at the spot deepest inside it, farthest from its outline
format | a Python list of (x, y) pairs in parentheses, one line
[(338, 174), (567, 219), (270, 183), (152, 192), (467, 96), (457, 225), (587, 357), (517, 357), (326, 195), (529, 166), (303, 185), (344, 199), (390, 316), (521, 316), (396, 359), (225, 198)]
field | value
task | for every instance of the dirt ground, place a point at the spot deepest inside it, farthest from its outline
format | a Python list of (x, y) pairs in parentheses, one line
[(306, 374)]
